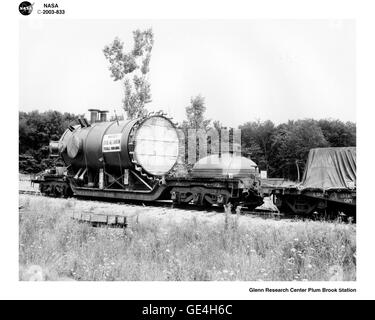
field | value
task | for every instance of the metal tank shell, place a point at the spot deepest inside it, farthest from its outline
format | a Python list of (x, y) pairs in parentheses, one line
[(226, 165), (149, 144)]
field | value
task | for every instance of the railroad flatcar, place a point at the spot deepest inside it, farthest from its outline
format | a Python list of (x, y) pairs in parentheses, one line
[(220, 179), (328, 185), (131, 160)]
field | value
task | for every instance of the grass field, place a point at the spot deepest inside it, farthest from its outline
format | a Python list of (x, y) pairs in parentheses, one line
[(55, 247)]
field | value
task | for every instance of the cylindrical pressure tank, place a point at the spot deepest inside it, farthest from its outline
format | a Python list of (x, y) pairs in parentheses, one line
[(148, 144)]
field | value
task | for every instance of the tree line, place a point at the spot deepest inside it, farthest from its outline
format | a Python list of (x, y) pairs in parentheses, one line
[(280, 149), (36, 129)]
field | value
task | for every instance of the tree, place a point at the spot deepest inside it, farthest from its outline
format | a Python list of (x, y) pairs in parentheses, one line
[(291, 144), (132, 67), (195, 114), (35, 132), (194, 120), (257, 141), (217, 125), (337, 133)]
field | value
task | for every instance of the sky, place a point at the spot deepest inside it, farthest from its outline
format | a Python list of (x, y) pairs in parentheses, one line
[(246, 70)]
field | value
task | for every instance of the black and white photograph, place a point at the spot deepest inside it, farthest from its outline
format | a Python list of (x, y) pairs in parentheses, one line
[(187, 150), (188, 156)]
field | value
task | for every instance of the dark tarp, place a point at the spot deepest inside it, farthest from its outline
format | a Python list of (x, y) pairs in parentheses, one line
[(330, 168)]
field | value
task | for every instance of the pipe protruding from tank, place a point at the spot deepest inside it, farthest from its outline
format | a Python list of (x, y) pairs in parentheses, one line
[(93, 115), (103, 115), (97, 115)]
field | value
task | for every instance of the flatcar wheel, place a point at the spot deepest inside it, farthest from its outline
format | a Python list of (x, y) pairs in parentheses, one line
[(205, 202), (196, 198), (236, 207), (68, 192), (50, 190), (58, 192)]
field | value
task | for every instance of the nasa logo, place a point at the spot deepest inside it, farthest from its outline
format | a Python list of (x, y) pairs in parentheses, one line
[(25, 8), (50, 5)]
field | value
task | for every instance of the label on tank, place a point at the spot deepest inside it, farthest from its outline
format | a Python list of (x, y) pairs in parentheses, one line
[(111, 143)]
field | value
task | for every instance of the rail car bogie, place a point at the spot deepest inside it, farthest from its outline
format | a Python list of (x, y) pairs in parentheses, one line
[(209, 192), (54, 183)]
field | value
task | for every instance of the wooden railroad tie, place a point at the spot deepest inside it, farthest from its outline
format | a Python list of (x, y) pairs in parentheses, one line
[(100, 219)]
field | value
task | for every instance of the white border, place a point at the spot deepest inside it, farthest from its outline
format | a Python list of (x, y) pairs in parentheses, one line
[(10, 288)]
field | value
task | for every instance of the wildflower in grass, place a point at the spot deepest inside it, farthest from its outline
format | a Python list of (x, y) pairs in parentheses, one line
[(336, 273), (33, 273)]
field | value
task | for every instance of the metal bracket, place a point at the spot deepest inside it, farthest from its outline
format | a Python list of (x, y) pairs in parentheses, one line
[(140, 179)]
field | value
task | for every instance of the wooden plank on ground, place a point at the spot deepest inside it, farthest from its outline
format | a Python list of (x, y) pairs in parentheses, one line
[(99, 218)]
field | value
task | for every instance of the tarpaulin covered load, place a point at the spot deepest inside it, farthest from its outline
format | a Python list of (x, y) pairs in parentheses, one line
[(330, 168)]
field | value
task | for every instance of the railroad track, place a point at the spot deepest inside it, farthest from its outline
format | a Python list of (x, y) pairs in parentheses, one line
[(116, 220)]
